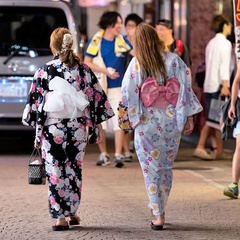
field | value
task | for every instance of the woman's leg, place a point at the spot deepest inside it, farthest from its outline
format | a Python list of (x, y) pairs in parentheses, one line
[(158, 188)]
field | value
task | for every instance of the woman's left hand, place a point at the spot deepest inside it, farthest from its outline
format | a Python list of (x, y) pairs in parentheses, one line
[(188, 128), (38, 142)]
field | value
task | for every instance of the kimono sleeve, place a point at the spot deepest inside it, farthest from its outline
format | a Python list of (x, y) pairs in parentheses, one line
[(130, 92), (29, 112), (188, 103), (99, 106), (33, 114)]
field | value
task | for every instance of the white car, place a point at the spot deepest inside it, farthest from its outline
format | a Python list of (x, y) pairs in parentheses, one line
[(25, 28)]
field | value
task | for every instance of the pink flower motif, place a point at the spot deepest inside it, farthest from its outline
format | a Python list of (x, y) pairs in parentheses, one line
[(40, 90), (136, 90), (58, 140), (68, 164), (97, 97), (78, 79), (86, 67), (141, 133), (107, 105), (33, 87), (53, 179), (88, 123), (150, 159), (40, 73), (159, 128), (52, 201), (75, 197), (151, 111), (43, 154), (89, 92), (81, 126), (132, 75), (159, 194), (145, 170), (187, 72), (174, 64), (184, 103), (61, 193), (146, 162), (79, 162)]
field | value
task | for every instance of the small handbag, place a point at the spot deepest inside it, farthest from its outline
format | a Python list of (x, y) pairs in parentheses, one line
[(123, 120), (214, 115), (36, 168)]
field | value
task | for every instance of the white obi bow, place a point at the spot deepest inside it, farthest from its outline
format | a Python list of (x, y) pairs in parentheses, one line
[(64, 101)]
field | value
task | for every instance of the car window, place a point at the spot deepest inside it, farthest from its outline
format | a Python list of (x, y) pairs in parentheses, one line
[(28, 27)]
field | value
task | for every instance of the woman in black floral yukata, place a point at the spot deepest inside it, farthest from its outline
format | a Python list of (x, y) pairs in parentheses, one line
[(70, 105)]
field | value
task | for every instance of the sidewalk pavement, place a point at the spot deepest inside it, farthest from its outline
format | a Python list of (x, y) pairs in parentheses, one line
[(114, 201)]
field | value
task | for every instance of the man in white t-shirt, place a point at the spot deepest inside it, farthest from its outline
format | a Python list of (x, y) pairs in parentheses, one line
[(216, 83)]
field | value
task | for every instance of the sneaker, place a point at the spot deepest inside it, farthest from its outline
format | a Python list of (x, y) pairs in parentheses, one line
[(128, 156), (231, 191), (103, 160), (118, 161)]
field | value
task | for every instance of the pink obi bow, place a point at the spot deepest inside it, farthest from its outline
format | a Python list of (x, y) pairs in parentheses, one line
[(161, 96)]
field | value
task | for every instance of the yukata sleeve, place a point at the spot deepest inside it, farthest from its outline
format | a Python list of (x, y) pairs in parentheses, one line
[(30, 110), (32, 114), (188, 104), (99, 107), (41, 79), (130, 92)]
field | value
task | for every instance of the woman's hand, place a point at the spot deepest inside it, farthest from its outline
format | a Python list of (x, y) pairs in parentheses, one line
[(38, 142), (188, 128), (231, 113)]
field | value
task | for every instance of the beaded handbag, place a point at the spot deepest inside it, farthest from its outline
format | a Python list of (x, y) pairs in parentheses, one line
[(36, 168)]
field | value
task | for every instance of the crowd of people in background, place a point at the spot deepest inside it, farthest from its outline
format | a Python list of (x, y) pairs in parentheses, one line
[(140, 69)]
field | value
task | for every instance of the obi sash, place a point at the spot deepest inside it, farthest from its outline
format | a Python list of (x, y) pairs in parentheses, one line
[(160, 96)]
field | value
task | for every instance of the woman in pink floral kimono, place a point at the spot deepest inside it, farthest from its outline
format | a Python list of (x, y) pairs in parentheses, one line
[(66, 98), (156, 89)]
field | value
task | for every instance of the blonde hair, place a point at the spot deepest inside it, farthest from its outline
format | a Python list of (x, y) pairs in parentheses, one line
[(148, 48), (61, 41)]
